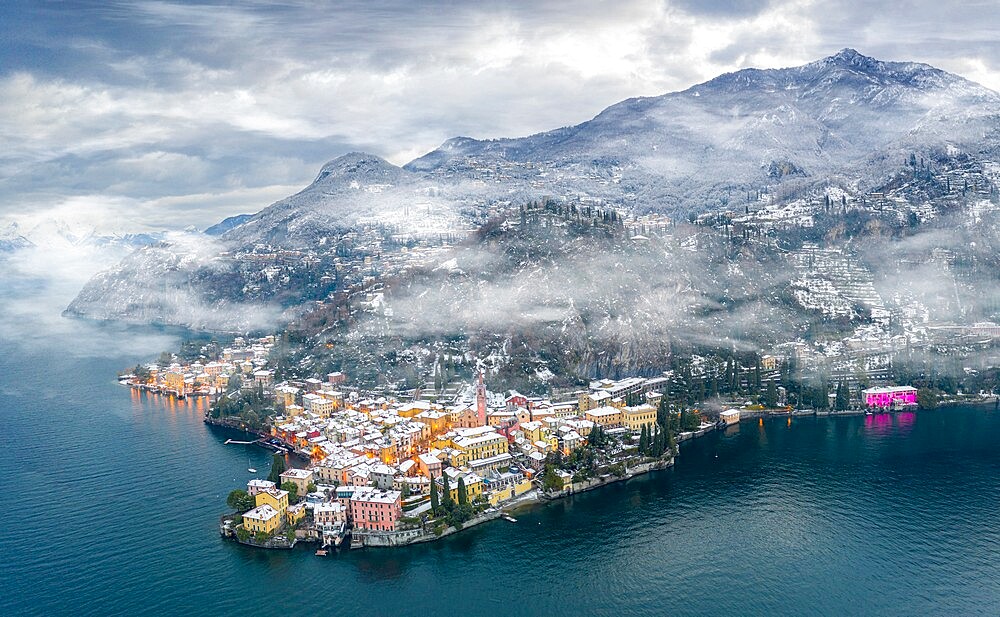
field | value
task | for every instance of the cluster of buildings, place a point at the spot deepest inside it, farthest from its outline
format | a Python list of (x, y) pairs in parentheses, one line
[(244, 360), (372, 460), (271, 511)]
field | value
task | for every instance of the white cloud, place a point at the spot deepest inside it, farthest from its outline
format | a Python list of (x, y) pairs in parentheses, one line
[(181, 106)]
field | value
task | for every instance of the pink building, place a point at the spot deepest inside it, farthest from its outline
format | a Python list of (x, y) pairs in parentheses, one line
[(376, 509), (887, 397), (259, 486), (429, 465)]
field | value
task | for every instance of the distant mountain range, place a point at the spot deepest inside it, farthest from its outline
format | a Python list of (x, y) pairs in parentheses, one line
[(56, 234), (845, 115), (847, 122), (226, 224)]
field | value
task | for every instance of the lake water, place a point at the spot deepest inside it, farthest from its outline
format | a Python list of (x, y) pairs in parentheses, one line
[(111, 503)]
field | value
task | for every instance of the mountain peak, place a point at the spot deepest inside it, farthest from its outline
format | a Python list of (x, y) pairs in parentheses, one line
[(852, 58), (357, 164), (849, 54)]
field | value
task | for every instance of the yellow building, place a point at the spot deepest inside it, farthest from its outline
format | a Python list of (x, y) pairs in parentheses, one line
[(634, 418), (503, 494), (552, 442), (532, 431), (456, 456), (523, 487), (605, 416), (295, 513), (436, 420), (277, 499), (509, 492), (174, 381), (262, 519), (387, 453), (481, 446), (473, 486), (413, 409), (592, 400), (301, 478)]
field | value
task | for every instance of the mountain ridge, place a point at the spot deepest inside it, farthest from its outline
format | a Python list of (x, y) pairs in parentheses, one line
[(845, 123)]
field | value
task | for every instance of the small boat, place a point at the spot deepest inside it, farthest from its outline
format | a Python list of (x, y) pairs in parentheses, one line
[(509, 518), (321, 553), (249, 468)]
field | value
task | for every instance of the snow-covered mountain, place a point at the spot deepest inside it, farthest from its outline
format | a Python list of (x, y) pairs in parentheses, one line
[(11, 239), (842, 115), (352, 190), (226, 224), (57, 234), (848, 121)]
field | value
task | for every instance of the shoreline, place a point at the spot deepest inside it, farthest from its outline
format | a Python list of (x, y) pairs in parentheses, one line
[(536, 497)]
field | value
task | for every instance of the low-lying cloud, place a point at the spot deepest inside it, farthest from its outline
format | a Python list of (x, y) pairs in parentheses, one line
[(192, 111)]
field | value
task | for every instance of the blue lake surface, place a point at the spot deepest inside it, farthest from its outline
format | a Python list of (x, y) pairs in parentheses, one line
[(112, 498)]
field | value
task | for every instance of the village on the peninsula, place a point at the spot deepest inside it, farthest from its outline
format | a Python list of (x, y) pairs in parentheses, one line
[(354, 468)]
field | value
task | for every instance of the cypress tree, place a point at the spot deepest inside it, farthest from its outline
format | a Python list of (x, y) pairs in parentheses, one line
[(662, 411), (643, 440), (771, 397), (843, 400), (463, 494), (446, 498), (277, 468), (435, 501), (699, 391)]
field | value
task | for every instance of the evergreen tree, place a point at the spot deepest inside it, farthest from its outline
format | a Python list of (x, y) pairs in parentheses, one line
[(240, 501), (596, 437), (662, 411), (644, 441), (463, 494), (671, 443), (843, 400), (771, 396), (435, 501), (446, 497), (277, 468)]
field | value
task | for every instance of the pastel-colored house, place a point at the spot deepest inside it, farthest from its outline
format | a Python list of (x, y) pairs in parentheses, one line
[(887, 397)]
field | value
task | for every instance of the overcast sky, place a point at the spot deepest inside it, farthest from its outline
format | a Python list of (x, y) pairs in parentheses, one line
[(130, 113)]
